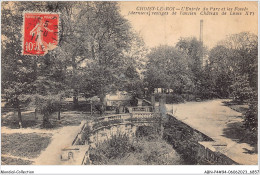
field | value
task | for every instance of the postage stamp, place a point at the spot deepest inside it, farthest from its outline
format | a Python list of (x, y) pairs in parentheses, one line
[(40, 33)]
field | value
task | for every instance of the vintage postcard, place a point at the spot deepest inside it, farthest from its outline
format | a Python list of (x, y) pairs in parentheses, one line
[(129, 83)]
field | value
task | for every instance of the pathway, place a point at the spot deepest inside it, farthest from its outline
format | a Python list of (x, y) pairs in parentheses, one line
[(61, 139)]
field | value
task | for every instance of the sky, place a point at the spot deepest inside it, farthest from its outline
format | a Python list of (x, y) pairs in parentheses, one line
[(157, 30)]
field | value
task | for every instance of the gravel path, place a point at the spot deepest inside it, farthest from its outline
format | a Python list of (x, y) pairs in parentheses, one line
[(61, 139)]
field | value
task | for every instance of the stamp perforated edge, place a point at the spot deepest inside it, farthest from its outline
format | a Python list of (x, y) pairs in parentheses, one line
[(22, 28)]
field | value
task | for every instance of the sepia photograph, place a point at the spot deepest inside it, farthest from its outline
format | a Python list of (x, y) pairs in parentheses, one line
[(129, 83)]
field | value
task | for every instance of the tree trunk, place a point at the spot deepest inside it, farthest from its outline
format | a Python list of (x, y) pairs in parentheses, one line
[(35, 114), (102, 103), (19, 116), (35, 78), (91, 108), (59, 107), (46, 123), (75, 92), (59, 114), (75, 100)]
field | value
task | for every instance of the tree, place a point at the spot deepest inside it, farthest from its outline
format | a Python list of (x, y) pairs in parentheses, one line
[(244, 48), (47, 105), (23, 76), (168, 68), (221, 70), (107, 38), (196, 52), (133, 82), (231, 62), (17, 70)]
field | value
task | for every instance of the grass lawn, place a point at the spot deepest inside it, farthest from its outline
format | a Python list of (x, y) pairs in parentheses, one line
[(14, 161), (24, 145)]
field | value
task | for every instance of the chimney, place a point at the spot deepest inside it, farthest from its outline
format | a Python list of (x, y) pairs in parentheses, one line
[(201, 31)]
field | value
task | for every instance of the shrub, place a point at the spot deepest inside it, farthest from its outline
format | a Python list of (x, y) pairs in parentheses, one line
[(251, 120), (241, 89), (171, 98), (146, 131), (143, 150), (117, 147)]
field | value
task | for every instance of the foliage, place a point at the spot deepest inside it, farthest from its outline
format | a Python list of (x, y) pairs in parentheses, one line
[(97, 44), (106, 37), (173, 98), (168, 68), (195, 51), (144, 150), (241, 90), (244, 49), (251, 117), (196, 54), (117, 146), (47, 104), (231, 62), (24, 75), (106, 123)]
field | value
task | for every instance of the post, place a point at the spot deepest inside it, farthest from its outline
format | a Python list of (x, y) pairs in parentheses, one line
[(91, 107), (153, 102), (162, 109), (59, 107), (140, 101), (35, 114)]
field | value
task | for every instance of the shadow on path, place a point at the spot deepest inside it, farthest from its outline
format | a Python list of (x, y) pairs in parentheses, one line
[(238, 133)]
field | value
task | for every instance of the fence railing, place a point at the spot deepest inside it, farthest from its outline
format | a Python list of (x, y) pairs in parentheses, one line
[(140, 109)]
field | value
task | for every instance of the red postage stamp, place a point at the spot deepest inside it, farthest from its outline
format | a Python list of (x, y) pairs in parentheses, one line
[(40, 33)]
